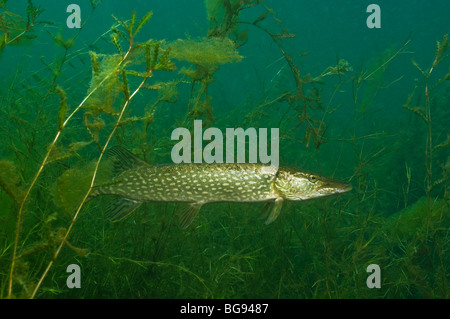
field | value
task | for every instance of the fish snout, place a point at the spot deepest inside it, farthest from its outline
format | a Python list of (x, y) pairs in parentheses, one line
[(344, 188)]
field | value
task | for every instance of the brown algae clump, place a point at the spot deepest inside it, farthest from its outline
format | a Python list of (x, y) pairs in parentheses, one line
[(10, 180)]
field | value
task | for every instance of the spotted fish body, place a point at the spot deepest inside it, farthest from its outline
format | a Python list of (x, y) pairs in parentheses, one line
[(203, 183), (136, 181)]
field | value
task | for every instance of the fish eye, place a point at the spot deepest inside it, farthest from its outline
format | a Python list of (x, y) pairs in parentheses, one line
[(312, 178)]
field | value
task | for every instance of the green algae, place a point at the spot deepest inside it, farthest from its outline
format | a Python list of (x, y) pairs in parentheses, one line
[(206, 52), (10, 181), (417, 218)]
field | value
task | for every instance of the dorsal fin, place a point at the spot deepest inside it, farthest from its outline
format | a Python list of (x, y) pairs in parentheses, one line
[(122, 159)]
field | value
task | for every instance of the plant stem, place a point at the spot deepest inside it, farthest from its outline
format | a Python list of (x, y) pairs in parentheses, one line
[(127, 102)]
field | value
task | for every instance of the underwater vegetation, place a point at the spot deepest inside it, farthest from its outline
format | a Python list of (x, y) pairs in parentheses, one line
[(132, 90)]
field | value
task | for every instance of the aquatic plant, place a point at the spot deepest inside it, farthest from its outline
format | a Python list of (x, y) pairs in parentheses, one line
[(424, 112), (15, 29), (109, 68), (207, 52)]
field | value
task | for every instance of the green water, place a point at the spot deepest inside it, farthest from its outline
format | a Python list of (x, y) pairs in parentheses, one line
[(366, 106)]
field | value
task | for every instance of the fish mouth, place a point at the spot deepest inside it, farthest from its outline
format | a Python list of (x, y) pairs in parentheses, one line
[(346, 188), (337, 188)]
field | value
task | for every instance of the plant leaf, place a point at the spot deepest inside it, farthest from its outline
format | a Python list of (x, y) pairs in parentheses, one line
[(62, 107), (143, 21), (418, 67)]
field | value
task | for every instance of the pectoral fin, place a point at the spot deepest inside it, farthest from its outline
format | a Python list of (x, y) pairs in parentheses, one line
[(275, 211), (265, 211), (120, 207), (188, 213)]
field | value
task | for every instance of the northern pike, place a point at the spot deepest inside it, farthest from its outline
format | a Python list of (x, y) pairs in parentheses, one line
[(135, 181)]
